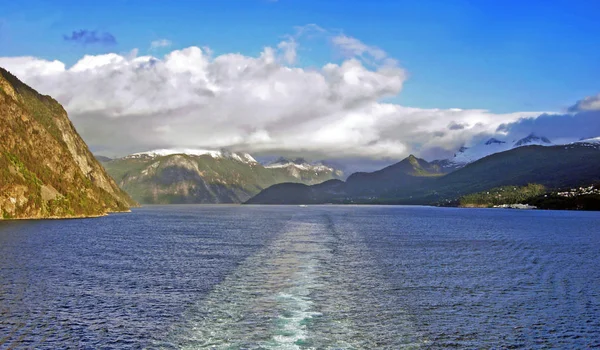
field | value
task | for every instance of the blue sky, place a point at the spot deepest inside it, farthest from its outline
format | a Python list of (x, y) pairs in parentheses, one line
[(365, 79), (502, 56)]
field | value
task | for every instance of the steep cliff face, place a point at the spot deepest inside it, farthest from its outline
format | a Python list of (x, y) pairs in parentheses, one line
[(46, 169)]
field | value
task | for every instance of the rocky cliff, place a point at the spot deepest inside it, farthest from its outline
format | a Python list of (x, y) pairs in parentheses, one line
[(46, 169)]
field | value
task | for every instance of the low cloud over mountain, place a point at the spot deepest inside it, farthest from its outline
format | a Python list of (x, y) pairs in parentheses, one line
[(561, 128)]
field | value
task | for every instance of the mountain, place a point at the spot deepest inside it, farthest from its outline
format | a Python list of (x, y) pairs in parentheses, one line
[(407, 174), (591, 142), (170, 176), (332, 191), (303, 170), (415, 181), (102, 158), (533, 139), (46, 169), (552, 166), (466, 155)]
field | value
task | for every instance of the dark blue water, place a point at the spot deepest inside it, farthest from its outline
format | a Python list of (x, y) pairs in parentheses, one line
[(322, 277)]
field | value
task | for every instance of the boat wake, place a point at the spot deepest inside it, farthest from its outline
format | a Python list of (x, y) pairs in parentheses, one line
[(309, 288)]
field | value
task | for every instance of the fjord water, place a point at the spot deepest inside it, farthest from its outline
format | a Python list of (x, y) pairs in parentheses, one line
[(351, 277)]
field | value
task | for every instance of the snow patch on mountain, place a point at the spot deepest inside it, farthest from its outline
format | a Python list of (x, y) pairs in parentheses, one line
[(466, 155), (300, 164), (240, 157), (594, 140)]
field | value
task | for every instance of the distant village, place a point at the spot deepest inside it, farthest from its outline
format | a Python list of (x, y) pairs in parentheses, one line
[(581, 191)]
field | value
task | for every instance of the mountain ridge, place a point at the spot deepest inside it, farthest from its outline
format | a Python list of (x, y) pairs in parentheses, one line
[(551, 166), (205, 176), (466, 155)]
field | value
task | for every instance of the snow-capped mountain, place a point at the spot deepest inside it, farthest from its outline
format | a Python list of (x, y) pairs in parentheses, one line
[(533, 139), (593, 142), (241, 157), (165, 176), (296, 166), (299, 163), (466, 155)]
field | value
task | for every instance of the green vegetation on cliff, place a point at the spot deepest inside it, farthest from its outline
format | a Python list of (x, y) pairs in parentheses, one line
[(46, 170), (577, 198), (502, 195)]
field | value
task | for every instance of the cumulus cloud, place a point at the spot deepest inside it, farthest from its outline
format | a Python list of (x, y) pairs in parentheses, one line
[(590, 103), (85, 36), (28, 66), (160, 43), (289, 50), (190, 99)]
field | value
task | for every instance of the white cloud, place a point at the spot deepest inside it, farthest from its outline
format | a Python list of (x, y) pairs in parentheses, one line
[(160, 43), (31, 66), (590, 103), (559, 128), (289, 50), (190, 99)]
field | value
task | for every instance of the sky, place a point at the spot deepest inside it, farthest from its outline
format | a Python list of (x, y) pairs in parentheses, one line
[(315, 78)]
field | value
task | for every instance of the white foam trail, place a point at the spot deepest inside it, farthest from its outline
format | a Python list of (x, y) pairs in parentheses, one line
[(310, 288), (298, 310), (266, 302)]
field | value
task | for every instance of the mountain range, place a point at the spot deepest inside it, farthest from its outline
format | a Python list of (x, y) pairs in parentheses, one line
[(175, 176), (416, 181), (46, 169), (169, 176)]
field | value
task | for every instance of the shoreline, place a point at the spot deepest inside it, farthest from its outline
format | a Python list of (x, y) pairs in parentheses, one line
[(357, 205), (70, 217)]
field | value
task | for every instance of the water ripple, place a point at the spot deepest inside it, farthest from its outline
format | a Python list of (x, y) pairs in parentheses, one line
[(328, 277)]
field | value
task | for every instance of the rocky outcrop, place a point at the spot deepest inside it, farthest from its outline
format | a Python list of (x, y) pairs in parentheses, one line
[(46, 169)]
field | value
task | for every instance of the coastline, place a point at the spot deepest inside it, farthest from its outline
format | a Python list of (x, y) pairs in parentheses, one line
[(69, 217)]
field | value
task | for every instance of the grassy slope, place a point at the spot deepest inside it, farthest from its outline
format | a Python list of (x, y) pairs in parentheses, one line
[(502, 195)]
